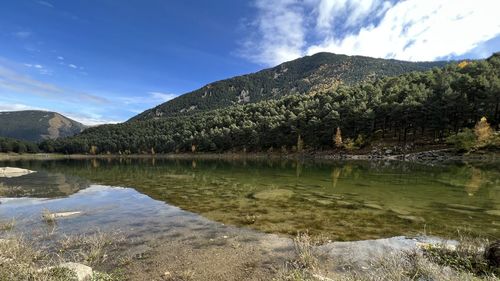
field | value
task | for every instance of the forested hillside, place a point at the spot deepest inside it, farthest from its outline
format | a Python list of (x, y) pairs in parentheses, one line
[(312, 74), (34, 125), (17, 146), (419, 105)]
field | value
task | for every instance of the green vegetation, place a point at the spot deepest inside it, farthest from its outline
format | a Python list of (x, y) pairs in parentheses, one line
[(308, 75), (34, 125), (482, 136), (12, 145), (423, 107)]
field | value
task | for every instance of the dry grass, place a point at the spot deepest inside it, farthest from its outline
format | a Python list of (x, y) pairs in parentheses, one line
[(48, 217), (21, 261), (469, 256), (445, 264), (7, 225), (93, 249)]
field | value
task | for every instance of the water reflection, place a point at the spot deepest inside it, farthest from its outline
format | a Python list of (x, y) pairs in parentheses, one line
[(342, 200)]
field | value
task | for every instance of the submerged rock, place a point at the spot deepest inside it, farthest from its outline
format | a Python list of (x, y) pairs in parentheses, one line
[(493, 212), (9, 172), (83, 272), (274, 194), (402, 212), (412, 218), (373, 206), (463, 207), (346, 204)]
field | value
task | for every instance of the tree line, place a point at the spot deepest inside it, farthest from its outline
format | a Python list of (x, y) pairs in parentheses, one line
[(12, 145), (417, 106)]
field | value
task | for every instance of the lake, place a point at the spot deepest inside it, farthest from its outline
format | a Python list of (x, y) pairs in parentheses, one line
[(345, 200)]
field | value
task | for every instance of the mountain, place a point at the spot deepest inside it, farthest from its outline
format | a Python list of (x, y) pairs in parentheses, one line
[(317, 73), (34, 125), (411, 110)]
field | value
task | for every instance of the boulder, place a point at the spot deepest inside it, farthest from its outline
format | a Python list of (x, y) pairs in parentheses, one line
[(9, 172), (83, 272), (493, 212)]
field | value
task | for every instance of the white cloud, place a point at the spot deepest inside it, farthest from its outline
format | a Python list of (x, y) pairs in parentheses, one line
[(38, 66), (90, 119), (281, 33), (153, 99), (72, 66), (409, 30), (60, 58), (163, 97), (18, 107)]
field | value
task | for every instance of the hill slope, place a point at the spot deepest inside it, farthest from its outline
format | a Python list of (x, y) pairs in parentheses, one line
[(320, 72), (415, 108), (33, 125)]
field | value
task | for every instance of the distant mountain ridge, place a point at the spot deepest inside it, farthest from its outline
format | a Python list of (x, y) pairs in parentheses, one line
[(317, 73), (35, 125)]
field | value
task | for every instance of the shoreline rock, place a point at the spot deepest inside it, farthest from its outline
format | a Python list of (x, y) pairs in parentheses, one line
[(362, 253), (83, 272), (11, 172)]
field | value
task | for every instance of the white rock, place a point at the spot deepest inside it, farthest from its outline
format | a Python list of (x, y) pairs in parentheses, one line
[(83, 272), (9, 172), (363, 253), (61, 215)]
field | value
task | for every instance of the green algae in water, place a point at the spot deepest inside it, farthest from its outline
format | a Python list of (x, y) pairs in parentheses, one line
[(339, 200)]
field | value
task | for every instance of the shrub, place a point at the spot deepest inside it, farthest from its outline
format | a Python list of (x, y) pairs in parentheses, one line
[(463, 141)]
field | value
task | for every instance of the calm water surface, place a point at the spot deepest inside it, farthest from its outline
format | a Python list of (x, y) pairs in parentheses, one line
[(338, 200)]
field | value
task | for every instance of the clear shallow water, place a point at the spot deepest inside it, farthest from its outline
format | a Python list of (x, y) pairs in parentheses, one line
[(341, 200)]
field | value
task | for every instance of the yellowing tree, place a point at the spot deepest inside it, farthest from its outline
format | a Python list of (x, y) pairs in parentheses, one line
[(463, 64), (338, 138), (483, 130), (300, 144)]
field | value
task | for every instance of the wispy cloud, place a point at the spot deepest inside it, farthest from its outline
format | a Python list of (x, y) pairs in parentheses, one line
[(46, 4), (163, 97), (72, 66), (22, 34), (151, 99), (409, 30), (12, 81), (89, 118), (18, 107)]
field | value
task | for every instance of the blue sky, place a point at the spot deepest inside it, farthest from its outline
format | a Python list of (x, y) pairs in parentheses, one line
[(105, 61)]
